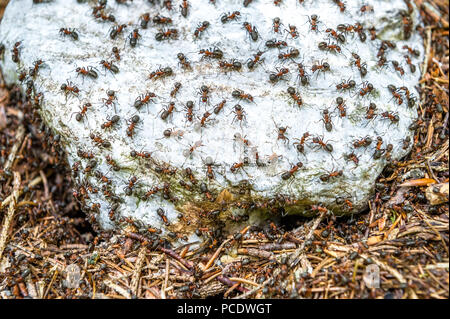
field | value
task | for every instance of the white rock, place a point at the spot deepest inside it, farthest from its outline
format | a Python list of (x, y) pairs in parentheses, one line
[(37, 27)]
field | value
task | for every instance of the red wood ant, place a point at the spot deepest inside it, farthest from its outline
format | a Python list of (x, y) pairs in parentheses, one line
[(109, 66), (158, 19), (128, 190), (275, 77), (361, 67), (211, 53), (175, 89), (327, 120), (313, 21), (340, 4), (184, 8), (394, 118), (238, 94), (226, 17), (276, 23), (204, 90), (412, 67), (251, 63), (366, 88), (293, 31), (341, 106), (201, 28), (79, 116), (320, 67), (275, 43), (370, 113), (110, 122), (132, 125), (151, 192), (183, 61), (189, 111), (219, 107), (111, 98), (116, 53), (301, 142), (302, 75), (364, 142), (330, 175), (144, 20), (335, 35), (204, 118), (144, 99), (293, 53), (239, 113), (168, 111), (69, 32), (295, 96), (116, 30), (86, 71), (69, 87), (345, 85), (320, 142), (232, 65), (166, 34), (288, 174), (252, 31), (398, 68), (395, 94), (352, 157), (329, 47), (99, 141), (160, 73), (144, 155)]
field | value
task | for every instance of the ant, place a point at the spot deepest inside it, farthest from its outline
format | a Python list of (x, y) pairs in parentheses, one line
[(301, 142), (341, 106), (320, 142), (319, 208), (313, 21), (239, 113), (366, 8), (275, 77), (364, 142), (116, 53), (232, 65), (345, 85), (340, 4), (388, 150), (111, 98), (201, 28), (84, 154), (99, 141), (168, 4), (276, 23), (412, 67), (69, 87), (219, 107), (209, 167), (327, 120), (161, 20), (238, 94), (144, 99), (192, 148), (144, 155), (394, 118), (288, 174), (35, 69), (204, 118), (175, 90), (132, 125), (211, 53), (189, 111), (109, 66), (370, 113), (226, 17), (395, 94), (358, 28), (275, 43), (128, 190), (236, 166), (166, 34), (238, 136), (190, 175), (87, 71), (184, 8), (378, 151), (293, 53), (398, 68), (320, 67), (293, 31), (168, 111), (295, 96), (302, 75), (366, 88), (204, 90), (361, 67), (144, 20), (151, 192), (334, 34), (252, 31), (110, 122), (256, 58), (281, 131), (183, 61), (352, 157), (329, 47), (116, 30), (373, 33), (161, 73), (412, 51), (172, 132), (326, 177), (79, 116), (69, 32)]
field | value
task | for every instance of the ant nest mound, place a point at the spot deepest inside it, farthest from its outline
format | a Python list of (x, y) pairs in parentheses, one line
[(187, 116)]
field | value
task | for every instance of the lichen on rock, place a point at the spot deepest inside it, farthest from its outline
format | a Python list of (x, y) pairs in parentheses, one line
[(177, 116)]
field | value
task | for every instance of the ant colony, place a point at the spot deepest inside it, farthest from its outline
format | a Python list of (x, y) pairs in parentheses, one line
[(187, 112)]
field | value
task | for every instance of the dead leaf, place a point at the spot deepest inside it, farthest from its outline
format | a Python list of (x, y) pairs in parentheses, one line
[(374, 240)]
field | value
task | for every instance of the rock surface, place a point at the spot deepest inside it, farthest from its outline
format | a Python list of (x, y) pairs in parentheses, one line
[(130, 137)]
